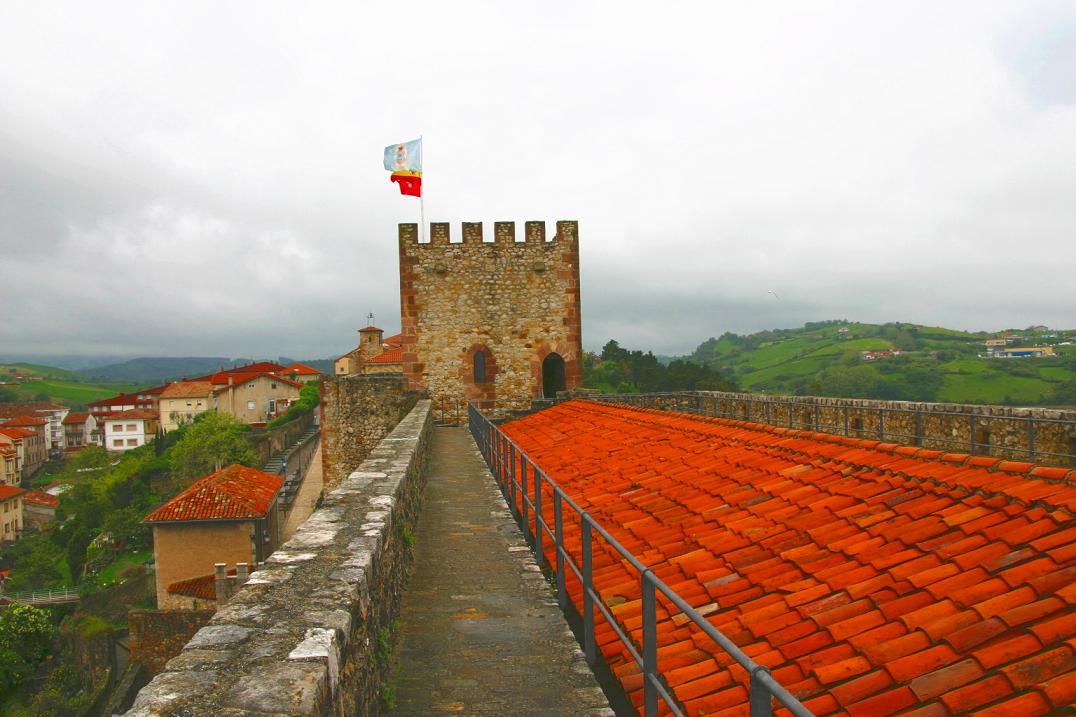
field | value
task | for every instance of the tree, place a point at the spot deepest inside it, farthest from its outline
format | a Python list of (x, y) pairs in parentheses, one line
[(212, 441), (126, 527), (34, 564), (25, 638), (612, 352)]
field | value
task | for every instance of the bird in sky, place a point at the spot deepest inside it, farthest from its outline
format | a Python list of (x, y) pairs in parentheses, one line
[(771, 291)]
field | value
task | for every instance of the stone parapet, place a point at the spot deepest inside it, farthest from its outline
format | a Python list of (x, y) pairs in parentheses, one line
[(356, 413), (302, 636), (1040, 435)]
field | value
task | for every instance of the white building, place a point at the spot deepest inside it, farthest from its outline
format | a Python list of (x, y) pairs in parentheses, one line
[(130, 429)]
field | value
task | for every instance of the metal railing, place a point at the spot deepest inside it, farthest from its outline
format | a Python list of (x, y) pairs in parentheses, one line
[(55, 596), (503, 456), (789, 412)]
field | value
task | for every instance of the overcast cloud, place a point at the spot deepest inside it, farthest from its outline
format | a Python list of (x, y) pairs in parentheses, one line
[(205, 178)]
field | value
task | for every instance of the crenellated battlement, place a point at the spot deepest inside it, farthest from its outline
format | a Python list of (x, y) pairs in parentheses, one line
[(504, 234)]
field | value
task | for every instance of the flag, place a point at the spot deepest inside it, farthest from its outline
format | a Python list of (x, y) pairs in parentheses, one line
[(404, 160)]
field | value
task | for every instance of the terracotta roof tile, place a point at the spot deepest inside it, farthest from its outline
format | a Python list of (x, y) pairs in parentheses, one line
[(232, 493), (393, 355), (871, 578)]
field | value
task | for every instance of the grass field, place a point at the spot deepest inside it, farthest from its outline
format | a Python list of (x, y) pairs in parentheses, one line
[(66, 388), (808, 359)]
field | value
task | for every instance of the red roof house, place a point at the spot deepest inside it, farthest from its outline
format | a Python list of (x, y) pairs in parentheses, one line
[(871, 578), (233, 493), (230, 516)]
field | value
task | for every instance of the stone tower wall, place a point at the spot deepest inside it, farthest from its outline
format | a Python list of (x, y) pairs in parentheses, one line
[(516, 300)]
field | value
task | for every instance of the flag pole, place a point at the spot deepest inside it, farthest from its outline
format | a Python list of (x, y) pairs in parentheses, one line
[(422, 199)]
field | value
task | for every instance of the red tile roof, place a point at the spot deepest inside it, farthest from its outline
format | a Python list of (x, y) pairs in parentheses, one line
[(20, 421), (301, 369), (132, 414), (202, 587), (232, 493), (9, 491), (369, 328), (183, 389), (41, 498), (221, 378), (8, 410), (393, 341), (12, 432), (73, 418), (390, 356), (871, 578)]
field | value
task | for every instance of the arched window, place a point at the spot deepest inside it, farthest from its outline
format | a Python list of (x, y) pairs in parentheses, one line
[(479, 366)]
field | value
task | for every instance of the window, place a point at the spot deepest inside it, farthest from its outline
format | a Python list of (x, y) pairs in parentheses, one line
[(118, 443), (7, 507), (480, 366), (117, 428), (250, 405), (272, 385), (132, 441), (199, 404), (188, 404)]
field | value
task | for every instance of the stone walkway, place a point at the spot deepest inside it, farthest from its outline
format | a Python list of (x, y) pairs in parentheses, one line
[(480, 631), (307, 497)]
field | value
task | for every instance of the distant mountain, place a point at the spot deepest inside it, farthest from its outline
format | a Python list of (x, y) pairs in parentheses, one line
[(159, 369), (935, 364), (71, 362)]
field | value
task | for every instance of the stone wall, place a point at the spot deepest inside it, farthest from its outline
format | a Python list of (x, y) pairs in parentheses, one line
[(158, 635), (301, 637), (267, 441), (517, 302), (356, 413), (1040, 435)]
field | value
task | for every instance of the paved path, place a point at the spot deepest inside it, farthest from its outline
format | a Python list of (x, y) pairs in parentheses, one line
[(480, 631), (307, 497)]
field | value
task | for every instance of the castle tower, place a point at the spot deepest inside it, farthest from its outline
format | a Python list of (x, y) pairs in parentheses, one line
[(493, 322)]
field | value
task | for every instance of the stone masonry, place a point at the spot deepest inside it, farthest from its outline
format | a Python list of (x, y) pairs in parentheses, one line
[(356, 413), (303, 636), (517, 302)]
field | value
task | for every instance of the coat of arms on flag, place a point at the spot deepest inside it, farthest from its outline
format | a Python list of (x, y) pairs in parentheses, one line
[(404, 160)]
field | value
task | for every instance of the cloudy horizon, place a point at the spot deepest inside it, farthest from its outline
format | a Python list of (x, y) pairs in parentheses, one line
[(202, 179)]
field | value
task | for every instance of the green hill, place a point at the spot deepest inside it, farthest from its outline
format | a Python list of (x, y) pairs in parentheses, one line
[(55, 385), (935, 364)]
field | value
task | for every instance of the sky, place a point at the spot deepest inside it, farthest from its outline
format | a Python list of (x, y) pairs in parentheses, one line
[(200, 178)]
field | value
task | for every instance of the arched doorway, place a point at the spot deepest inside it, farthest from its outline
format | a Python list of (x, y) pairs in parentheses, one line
[(552, 375)]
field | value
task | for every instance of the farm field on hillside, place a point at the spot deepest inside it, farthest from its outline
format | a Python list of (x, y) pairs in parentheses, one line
[(936, 364), (66, 388)]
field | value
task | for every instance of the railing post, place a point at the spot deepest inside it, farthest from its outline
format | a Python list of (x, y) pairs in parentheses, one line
[(918, 428), (539, 531), (971, 433), (523, 503), (558, 520), (881, 424), (1031, 439), (760, 699), (513, 491), (846, 423), (650, 646), (588, 601)]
